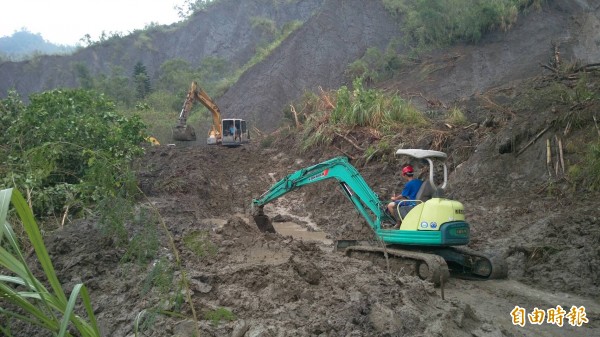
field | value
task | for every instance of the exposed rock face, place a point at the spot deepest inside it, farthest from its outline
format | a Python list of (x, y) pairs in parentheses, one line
[(315, 55)]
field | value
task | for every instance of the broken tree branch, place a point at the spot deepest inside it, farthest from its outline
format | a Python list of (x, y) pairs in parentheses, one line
[(560, 154), (345, 153), (534, 139), (349, 141), (548, 157), (295, 116)]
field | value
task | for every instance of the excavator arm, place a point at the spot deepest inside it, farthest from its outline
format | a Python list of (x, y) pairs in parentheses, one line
[(203, 98), (182, 131), (352, 183)]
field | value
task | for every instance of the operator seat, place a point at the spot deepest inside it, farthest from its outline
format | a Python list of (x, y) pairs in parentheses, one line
[(425, 191)]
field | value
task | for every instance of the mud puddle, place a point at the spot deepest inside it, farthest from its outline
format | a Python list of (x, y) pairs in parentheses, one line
[(299, 232)]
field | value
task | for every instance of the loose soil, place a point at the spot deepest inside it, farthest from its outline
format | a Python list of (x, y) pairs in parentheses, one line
[(293, 283)]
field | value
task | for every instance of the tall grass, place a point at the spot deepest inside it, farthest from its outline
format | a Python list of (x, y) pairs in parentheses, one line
[(437, 23), (593, 166), (373, 108), (359, 107), (24, 297)]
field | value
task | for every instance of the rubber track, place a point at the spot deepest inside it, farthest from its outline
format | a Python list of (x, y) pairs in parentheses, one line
[(498, 263), (438, 269)]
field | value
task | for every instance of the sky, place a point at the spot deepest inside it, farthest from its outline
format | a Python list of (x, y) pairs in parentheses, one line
[(67, 21)]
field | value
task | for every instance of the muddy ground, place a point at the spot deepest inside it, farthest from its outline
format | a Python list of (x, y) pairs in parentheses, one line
[(293, 284), (238, 281)]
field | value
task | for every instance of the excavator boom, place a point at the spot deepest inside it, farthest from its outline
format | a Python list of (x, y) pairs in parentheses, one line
[(184, 132), (353, 185), (216, 131)]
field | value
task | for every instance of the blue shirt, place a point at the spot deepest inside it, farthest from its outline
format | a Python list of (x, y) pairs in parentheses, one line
[(410, 191)]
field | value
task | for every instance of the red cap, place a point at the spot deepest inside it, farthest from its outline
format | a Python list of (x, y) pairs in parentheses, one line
[(407, 170)]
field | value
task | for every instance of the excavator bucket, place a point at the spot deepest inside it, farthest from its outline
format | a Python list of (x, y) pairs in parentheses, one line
[(263, 222), (184, 133)]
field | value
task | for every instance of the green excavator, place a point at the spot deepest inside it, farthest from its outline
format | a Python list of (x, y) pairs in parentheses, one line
[(433, 234)]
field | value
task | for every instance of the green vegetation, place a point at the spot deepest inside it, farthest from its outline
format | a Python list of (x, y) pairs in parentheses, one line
[(141, 80), (199, 243), (219, 314), (144, 244), (456, 117), (160, 277), (357, 108), (437, 23), (68, 150), (46, 308), (591, 172), (429, 24), (376, 66)]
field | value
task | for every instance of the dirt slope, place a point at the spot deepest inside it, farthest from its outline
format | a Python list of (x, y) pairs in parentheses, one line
[(318, 53), (315, 55)]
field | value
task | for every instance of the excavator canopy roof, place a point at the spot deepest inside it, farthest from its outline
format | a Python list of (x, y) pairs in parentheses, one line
[(421, 154)]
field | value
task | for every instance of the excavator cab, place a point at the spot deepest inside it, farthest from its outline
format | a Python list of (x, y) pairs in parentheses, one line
[(235, 132), (429, 188)]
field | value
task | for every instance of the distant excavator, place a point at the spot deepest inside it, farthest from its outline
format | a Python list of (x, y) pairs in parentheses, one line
[(228, 132), (431, 234)]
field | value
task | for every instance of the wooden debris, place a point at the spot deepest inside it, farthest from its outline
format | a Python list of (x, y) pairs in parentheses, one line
[(534, 139), (349, 141), (295, 116), (548, 157)]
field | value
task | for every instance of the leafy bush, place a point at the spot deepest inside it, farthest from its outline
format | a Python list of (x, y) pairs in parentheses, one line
[(67, 149), (587, 172), (370, 107), (593, 166)]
